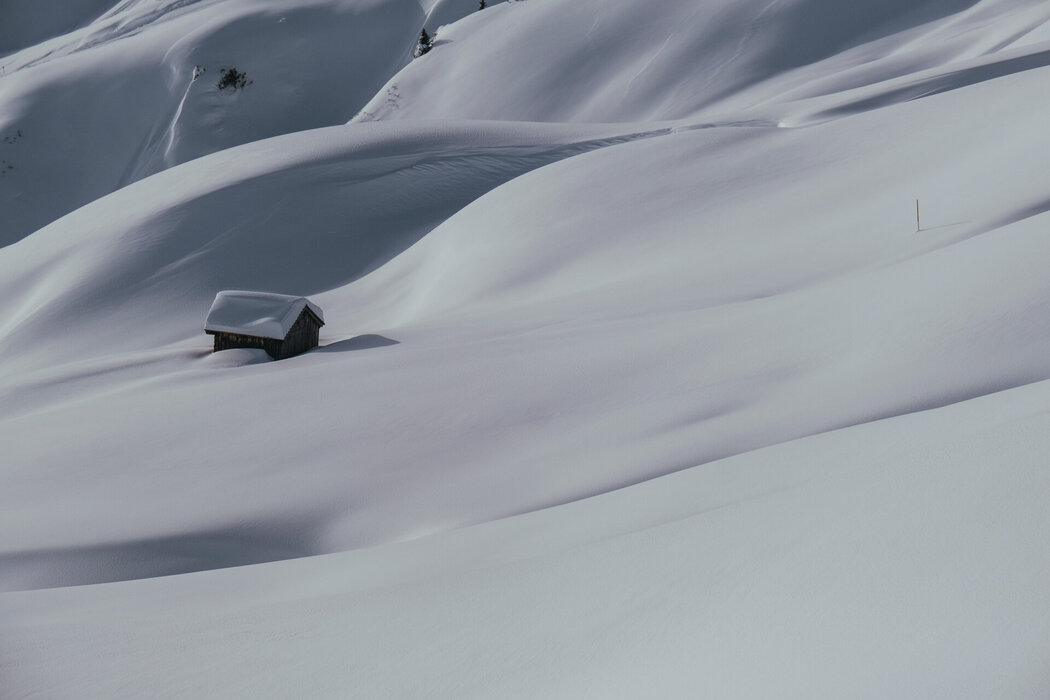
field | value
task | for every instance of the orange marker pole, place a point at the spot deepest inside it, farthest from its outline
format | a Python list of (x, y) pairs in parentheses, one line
[(917, 227)]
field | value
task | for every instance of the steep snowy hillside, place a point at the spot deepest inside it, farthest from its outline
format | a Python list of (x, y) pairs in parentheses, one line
[(137, 91), (25, 25), (628, 60), (639, 377)]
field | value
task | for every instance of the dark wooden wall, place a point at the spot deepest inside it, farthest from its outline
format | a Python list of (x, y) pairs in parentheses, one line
[(303, 335), (229, 341)]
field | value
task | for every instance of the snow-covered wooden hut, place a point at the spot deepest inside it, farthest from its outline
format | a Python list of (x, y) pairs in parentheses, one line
[(281, 325)]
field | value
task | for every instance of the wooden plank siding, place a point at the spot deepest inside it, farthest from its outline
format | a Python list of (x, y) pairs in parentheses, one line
[(302, 336)]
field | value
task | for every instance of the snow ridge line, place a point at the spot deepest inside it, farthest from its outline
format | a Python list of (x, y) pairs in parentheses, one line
[(930, 85)]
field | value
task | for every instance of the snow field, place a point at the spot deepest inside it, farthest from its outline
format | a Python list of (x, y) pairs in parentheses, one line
[(637, 378)]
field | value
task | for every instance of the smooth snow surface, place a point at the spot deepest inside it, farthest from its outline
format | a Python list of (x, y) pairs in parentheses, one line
[(640, 377), (259, 314)]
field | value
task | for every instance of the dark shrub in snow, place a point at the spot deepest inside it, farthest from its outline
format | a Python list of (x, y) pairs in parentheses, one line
[(425, 43), (232, 78)]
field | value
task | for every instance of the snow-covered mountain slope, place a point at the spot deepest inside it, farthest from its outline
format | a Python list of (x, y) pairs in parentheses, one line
[(308, 212), (25, 25), (787, 572), (637, 377), (137, 91), (628, 60)]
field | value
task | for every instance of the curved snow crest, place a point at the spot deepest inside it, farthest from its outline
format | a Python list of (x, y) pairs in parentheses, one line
[(142, 80), (307, 212), (630, 61), (151, 99), (956, 76)]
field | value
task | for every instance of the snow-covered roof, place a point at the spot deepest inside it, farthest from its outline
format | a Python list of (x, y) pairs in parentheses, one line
[(259, 314)]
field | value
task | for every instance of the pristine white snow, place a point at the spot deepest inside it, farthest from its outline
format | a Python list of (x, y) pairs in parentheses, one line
[(637, 379)]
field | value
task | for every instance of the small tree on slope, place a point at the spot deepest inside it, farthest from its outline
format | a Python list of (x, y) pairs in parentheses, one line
[(425, 43)]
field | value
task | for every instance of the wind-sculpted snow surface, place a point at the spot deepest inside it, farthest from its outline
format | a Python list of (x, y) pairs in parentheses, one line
[(622, 60), (307, 212), (639, 375), (25, 24), (140, 87), (786, 572)]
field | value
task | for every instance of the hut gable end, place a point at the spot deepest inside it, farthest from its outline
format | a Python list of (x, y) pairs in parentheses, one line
[(302, 336)]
